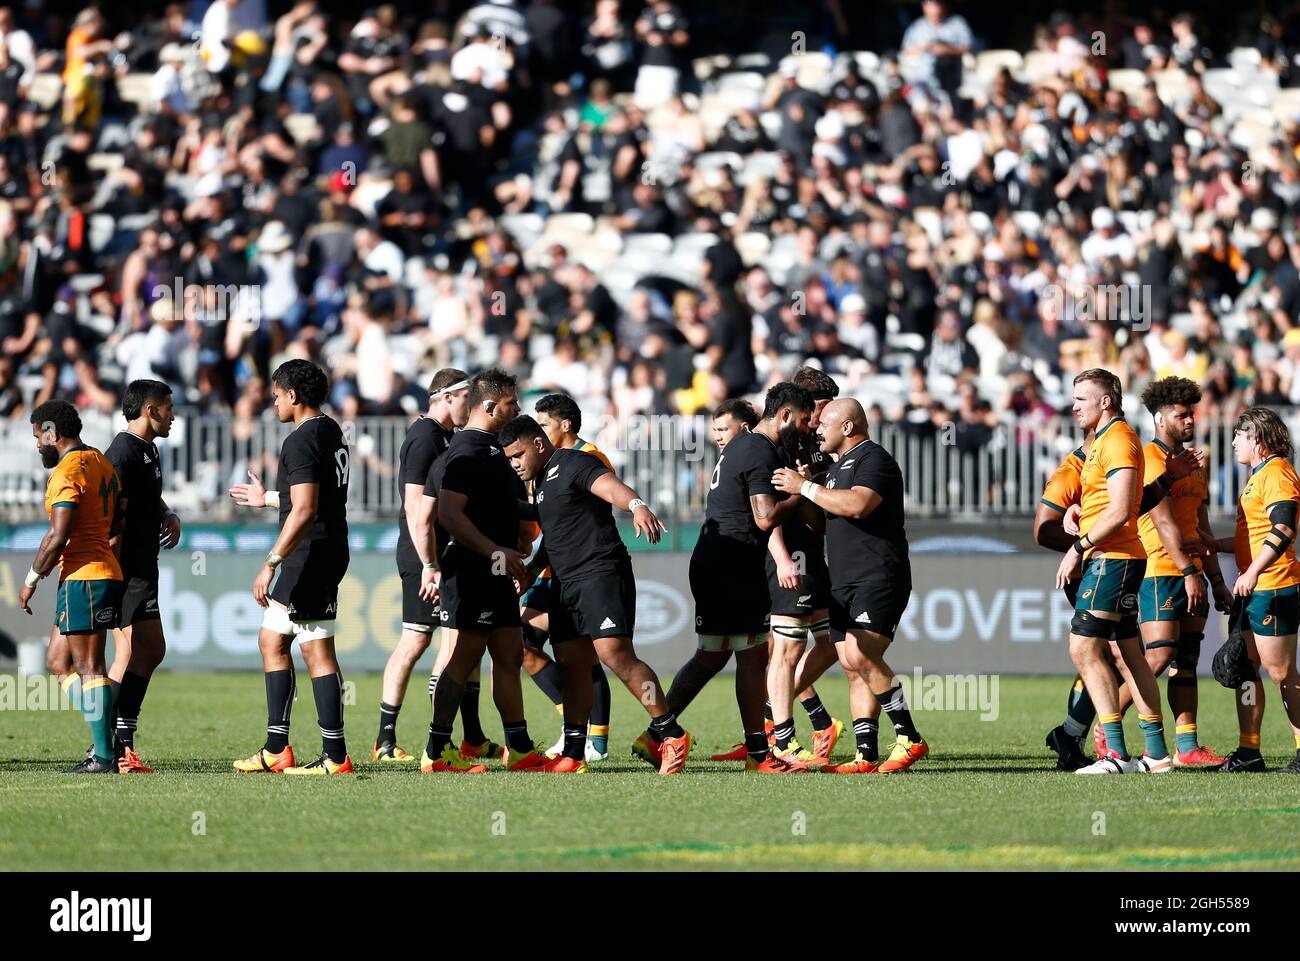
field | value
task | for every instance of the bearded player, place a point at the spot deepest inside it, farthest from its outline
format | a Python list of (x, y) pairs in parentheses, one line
[(81, 499), (728, 567)]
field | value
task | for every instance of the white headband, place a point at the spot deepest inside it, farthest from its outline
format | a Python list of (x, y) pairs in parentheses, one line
[(447, 390)]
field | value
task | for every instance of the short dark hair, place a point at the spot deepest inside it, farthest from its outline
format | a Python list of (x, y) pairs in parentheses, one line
[(305, 379), (492, 384), (1108, 383), (141, 392), (1169, 391), (739, 408), (817, 382), (445, 378), (62, 415), (786, 394), (522, 427), (561, 407)]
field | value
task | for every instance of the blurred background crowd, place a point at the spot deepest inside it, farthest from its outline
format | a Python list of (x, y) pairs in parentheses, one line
[(648, 205)]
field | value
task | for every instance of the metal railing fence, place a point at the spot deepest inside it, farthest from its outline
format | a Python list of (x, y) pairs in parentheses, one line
[(669, 460)]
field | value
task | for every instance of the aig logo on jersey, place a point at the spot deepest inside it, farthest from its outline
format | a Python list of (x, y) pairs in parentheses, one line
[(541, 495)]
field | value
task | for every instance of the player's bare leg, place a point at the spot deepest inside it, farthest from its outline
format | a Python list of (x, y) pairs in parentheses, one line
[(121, 655), (687, 683), (506, 646), (275, 754), (909, 747), (411, 645), (817, 658), (548, 676), (1277, 655), (1092, 657), (91, 694), (703, 667), (1146, 695), (1249, 699), (540, 667), (788, 640), (537, 664), (1158, 641), (474, 743), (1183, 694), (327, 691), (619, 655), (139, 649), (58, 657), (1174, 646), (461, 652), (576, 657), (865, 708), (58, 661)]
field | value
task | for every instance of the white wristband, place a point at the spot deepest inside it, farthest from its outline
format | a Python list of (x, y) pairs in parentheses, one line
[(273, 499), (809, 490), (635, 503), (33, 578), (430, 566)]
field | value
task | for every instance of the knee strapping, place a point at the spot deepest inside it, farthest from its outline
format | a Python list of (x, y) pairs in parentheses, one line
[(1088, 624)]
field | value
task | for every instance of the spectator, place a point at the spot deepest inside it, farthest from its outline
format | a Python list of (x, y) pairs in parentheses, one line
[(934, 45), (662, 31)]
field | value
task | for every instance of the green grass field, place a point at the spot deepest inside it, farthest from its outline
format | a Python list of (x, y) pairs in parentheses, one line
[(985, 798)]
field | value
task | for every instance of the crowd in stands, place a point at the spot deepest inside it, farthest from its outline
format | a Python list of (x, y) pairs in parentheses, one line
[(581, 194)]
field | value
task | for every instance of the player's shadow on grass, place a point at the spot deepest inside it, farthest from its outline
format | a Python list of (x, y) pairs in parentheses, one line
[(37, 763)]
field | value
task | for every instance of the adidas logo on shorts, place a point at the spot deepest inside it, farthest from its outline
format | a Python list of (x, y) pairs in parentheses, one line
[(863, 618), (606, 624)]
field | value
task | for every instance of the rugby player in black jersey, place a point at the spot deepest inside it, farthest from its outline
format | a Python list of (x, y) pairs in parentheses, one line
[(426, 439), (593, 592), (561, 419), (481, 570), (147, 525), (871, 574), (729, 419), (728, 566), (310, 556), (799, 585)]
